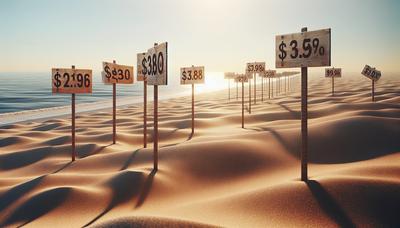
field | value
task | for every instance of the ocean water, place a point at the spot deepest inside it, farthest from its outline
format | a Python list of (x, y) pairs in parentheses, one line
[(31, 91)]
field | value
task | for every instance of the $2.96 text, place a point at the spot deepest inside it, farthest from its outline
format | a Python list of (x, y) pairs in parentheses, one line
[(69, 81)]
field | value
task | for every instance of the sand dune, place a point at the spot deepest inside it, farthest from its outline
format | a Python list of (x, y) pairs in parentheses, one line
[(223, 175)]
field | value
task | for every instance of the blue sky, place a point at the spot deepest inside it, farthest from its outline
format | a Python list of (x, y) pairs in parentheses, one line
[(222, 35)]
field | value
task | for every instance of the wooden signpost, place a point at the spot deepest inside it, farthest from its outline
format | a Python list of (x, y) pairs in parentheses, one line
[(141, 76), (269, 74), (305, 49), (242, 78), (254, 68), (116, 74), (229, 76), (65, 80), (333, 73), (192, 75), (155, 67), (372, 74)]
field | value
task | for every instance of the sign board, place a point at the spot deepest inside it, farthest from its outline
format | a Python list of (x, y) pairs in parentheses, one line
[(155, 64), (139, 67), (68, 80), (192, 75), (241, 78), (256, 67), (333, 72), (229, 75), (115, 73), (270, 73), (305, 49), (371, 73)]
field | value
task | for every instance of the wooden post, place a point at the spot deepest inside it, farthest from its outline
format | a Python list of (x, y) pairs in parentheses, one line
[(272, 88), (262, 88), (255, 88), (73, 124), (249, 96), (269, 88), (237, 88), (145, 112), (192, 110), (333, 86), (373, 90), (155, 132), (304, 120), (114, 110), (243, 103), (229, 89)]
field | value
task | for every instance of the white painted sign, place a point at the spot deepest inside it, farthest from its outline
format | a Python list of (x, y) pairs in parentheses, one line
[(241, 78), (192, 75), (270, 73), (229, 75), (154, 65), (68, 80), (371, 73), (115, 73), (333, 72), (305, 49)]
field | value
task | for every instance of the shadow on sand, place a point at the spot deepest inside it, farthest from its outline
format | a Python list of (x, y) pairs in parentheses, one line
[(329, 205)]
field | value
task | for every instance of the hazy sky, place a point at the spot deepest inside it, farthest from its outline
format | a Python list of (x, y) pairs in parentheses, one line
[(221, 34)]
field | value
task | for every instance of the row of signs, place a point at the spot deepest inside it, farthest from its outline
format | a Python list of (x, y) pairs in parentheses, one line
[(151, 66)]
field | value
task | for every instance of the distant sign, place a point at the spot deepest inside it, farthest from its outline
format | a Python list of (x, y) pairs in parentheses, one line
[(140, 76), (256, 67), (371, 73), (192, 75), (333, 72), (241, 78), (154, 65), (68, 80), (306, 49), (115, 73), (270, 73), (229, 75)]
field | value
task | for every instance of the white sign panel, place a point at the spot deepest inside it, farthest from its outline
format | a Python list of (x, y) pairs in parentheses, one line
[(256, 67), (306, 49), (115, 73), (192, 75), (333, 72), (241, 78), (154, 65), (371, 73), (139, 66), (270, 73), (229, 75)]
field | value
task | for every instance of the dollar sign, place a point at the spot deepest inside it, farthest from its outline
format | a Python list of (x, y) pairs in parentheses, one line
[(282, 55), (184, 75), (108, 73), (144, 71), (57, 83)]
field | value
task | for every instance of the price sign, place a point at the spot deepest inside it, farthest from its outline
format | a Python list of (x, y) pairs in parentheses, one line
[(192, 75), (306, 49), (154, 65), (333, 72), (270, 73), (139, 67), (241, 78), (371, 73), (229, 75), (257, 67), (114, 73), (71, 80)]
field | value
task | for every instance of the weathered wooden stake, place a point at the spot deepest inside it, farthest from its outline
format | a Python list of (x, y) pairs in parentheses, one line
[(145, 112), (73, 123), (192, 109), (114, 110), (242, 103), (304, 120)]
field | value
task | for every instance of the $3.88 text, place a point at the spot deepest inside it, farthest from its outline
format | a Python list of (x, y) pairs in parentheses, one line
[(192, 75)]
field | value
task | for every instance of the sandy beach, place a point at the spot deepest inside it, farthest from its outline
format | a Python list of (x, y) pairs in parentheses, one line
[(223, 175)]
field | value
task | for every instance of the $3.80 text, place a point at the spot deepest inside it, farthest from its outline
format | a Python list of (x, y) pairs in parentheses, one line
[(153, 64)]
